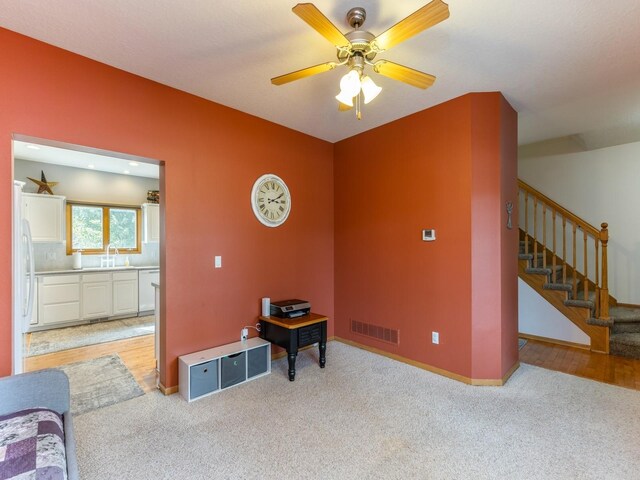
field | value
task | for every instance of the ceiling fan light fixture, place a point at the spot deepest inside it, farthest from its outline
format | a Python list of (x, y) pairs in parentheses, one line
[(350, 83), (343, 97), (369, 89)]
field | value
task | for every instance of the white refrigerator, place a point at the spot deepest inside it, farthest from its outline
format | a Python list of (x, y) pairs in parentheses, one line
[(23, 278)]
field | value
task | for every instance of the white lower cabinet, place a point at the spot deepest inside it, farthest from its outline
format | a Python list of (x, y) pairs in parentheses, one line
[(69, 298), (96, 295), (58, 299), (125, 292)]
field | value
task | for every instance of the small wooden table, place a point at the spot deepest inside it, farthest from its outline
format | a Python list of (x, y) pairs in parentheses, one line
[(292, 334)]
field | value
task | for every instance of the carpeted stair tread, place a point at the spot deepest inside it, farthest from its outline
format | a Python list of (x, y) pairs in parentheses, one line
[(566, 287), (579, 303), (539, 270), (600, 322), (630, 339), (625, 344), (624, 314)]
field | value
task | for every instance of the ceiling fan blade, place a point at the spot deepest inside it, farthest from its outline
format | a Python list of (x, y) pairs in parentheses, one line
[(343, 108), (305, 72), (321, 24), (404, 74), (423, 18)]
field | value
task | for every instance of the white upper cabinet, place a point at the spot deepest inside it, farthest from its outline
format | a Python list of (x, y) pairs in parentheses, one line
[(151, 219), (45, 214)]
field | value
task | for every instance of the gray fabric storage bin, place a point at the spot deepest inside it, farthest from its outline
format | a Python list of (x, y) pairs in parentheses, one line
[(257, 361), (204, 378), (233, 369)]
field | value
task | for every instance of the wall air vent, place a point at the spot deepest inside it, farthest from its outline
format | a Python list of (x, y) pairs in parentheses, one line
[(388, 335)]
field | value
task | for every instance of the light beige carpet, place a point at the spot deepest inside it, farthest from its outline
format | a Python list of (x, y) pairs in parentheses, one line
[(55, 340), (100, 382), (368, 417)]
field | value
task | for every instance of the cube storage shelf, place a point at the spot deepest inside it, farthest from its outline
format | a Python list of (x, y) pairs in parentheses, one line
[(210, 371)]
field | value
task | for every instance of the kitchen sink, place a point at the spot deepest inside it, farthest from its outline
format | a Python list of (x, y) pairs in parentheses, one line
[(98, 269)]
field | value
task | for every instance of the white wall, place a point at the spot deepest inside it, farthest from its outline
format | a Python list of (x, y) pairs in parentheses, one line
[(538, 317), (89, 186), (86, 185), (599, 186)]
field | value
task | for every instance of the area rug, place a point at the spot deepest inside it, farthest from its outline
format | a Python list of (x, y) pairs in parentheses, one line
[(100, 382), (521, 343), (49, 341)]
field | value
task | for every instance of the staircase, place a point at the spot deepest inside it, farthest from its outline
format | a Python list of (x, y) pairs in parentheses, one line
[(570, 271)]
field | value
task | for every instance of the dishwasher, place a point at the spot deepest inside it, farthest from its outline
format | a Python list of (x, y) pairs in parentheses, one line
[(146, 292)]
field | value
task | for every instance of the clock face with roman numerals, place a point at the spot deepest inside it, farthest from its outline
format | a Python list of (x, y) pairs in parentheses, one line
[(270, 200)]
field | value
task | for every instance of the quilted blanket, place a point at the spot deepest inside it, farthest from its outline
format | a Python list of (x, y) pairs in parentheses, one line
[(32, 445)]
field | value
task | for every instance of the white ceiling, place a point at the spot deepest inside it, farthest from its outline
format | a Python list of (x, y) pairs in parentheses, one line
[(39, 152), (567, 66)]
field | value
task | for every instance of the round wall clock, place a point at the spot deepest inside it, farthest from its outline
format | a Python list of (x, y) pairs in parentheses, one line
[(270, 200)]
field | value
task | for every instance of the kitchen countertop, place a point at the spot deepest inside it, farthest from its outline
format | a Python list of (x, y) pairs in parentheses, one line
[(97, 269)]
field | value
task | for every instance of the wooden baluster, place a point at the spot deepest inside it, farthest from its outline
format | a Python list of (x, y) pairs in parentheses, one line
[(604, 290), (564, 250), (597, 282), (526, 222), (535, 232), (553, 258), (575, 278), (544, 236), (586, 269)]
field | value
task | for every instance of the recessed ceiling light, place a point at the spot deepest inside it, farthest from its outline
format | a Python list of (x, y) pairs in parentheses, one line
[(91, 166), (126, 172), (134, 164), (33, 147)]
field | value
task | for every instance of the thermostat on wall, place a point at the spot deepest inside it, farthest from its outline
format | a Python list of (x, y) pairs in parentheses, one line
[(429, 235)]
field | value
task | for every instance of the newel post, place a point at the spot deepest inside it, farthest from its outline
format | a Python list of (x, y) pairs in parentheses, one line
[(604, 289)]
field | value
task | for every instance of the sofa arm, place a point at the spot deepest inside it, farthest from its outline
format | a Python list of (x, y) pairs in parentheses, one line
[(45, 388)]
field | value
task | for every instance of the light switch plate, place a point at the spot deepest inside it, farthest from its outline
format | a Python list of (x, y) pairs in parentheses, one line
[(435, 338), (218, 261)]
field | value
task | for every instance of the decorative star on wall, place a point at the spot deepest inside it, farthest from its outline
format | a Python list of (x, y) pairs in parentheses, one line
[(43, 185)]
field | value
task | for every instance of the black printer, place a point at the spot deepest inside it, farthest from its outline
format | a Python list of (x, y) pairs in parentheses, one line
[(290, 308)]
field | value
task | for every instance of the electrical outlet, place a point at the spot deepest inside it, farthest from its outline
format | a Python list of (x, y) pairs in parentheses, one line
[(217, 261), (435, 338), (245, 334)]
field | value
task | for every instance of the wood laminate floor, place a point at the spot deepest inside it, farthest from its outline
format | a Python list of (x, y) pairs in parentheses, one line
[(137, 353), (621, 371)]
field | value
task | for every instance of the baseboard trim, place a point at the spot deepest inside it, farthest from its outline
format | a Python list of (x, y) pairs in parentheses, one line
[(627, 305), (481, 382), (555, 341), (167, 390)]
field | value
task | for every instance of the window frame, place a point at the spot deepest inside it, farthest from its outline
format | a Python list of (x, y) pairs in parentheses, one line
[(106, 207)]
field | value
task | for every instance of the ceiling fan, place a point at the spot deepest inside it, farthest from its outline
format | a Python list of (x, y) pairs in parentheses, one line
[(358, 48)]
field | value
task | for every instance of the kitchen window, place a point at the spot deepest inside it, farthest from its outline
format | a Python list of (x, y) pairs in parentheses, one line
[(91, 227)]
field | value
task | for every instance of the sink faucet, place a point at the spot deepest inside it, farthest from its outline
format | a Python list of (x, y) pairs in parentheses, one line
[(106, 260)]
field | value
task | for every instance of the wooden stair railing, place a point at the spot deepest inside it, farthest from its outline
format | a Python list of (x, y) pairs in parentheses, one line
[(585, 254)]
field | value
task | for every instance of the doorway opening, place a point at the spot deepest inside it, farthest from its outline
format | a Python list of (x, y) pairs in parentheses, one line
[(86, 268)]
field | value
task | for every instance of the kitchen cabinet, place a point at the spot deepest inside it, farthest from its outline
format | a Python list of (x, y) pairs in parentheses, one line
[(58, 299), (146, 291), (45, 214), (151, 222), (125, 293), (96, 295)]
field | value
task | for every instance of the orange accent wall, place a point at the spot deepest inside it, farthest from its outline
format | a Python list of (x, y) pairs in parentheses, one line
[(212, 155), (450, 168)]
